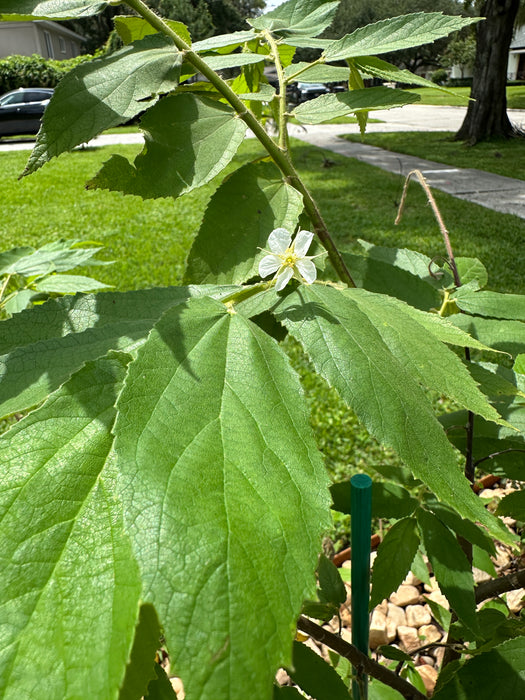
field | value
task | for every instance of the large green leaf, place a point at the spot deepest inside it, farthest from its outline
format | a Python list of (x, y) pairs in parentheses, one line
[(49, 9), (348, 350), (189, 140), (70, 587), (227, 250), (450, 566), (103, 93), (376, 67), (226, 526), (507, 306), (424, 358), (42, 346), (506, 336), (297, 17), (396, 33), (329, 106), (394, 557), (499, 673)]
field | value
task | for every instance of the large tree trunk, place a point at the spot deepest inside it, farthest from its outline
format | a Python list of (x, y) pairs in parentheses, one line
[(487, 116)]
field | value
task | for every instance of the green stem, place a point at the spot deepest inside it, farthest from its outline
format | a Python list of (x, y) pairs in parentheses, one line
[(247, 292), (279, 156), (293, 77), (283, 131)]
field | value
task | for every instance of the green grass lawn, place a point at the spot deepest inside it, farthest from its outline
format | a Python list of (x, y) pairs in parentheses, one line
[(503, 157), (149, 240), (433, 96)]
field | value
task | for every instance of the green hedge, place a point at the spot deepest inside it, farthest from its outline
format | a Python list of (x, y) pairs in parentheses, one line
[(34, 71)]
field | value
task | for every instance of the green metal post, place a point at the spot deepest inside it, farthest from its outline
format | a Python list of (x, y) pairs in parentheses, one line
[(361, 509)]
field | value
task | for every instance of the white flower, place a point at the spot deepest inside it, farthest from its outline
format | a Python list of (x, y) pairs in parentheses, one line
[(288, 259)]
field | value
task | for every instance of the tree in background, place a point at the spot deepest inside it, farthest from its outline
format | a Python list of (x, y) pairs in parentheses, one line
[(487, 113), (357, 13), (202, 17), (460, 52)]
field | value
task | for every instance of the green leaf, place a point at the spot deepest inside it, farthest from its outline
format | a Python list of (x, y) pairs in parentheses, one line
[(464, 528), (373, 66), (427, 360), (519, 364), (505, 448), (189, 140), (132, 29), (394, 653), (348, 351), (410, 260), (69, 284), (332, 589), (388, 500), (419, 568), (317, 73), (297, 17), (507, 306), (12, 10), (219, 62), (141, 667), (10, 258), (385, 278), (496, 380), (395, 34), (242, 479), (160, 688), (380, 691), (439, 613), (513, 505), (481, 560), (451, 568), (70, 585), (104, 93), (57, 256), (19, 301), (506, 336), (472, 270), (477, 678), (227, 250), (320, 611), (329, 106), (224, 41), (394, 557), (313, 675), (43, 346)]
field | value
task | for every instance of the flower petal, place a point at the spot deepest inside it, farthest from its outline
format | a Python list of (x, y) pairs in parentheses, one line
[(307, 269), (279, 240), (302, 243), (283, 278), (268, 265)]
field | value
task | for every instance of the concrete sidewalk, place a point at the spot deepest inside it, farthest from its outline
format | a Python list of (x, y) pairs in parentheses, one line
[(503, 194)]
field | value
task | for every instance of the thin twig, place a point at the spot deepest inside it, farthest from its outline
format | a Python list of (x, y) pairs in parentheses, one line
[(358, 659)]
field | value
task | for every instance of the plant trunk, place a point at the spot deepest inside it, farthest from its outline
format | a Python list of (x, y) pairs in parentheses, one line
[(487, 116)]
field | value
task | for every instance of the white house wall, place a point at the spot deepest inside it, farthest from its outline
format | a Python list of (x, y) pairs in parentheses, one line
[(45, 38)]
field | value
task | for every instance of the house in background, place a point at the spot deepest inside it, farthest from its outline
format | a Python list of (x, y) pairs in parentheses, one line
[(516, 65), (48, 39)]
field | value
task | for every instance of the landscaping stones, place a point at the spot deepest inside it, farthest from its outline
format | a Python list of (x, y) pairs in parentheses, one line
[(405, 595)]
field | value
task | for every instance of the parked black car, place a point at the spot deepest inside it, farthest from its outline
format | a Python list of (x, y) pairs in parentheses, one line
[(21, 110)]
